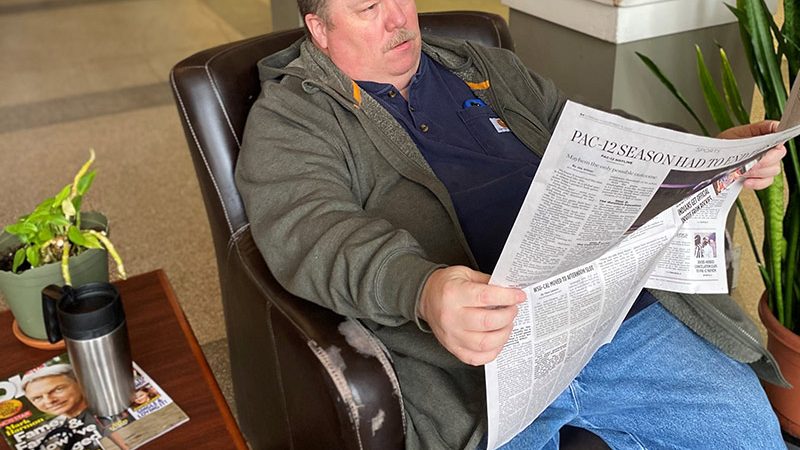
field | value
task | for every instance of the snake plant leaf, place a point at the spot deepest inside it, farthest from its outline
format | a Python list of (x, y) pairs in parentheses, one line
[(671, 87), (731, 89), (791, 32), (792, 225), (771, 200), (744, 32), (717, 108), (749, 232), (767, 281), (796, 319), (776, 32), (792, 172), (758, 23)]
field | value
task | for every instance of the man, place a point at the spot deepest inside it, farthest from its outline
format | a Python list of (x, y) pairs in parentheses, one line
[(381, 174), (55, 390)]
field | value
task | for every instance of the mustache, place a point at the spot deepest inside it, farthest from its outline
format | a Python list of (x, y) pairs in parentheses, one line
[(402, 35)]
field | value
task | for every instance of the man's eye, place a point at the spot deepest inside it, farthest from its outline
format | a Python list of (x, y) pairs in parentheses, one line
[(371, 7)]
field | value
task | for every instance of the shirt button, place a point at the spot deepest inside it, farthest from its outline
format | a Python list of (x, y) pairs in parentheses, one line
[(411, 108), (424, 128), (392, 94)]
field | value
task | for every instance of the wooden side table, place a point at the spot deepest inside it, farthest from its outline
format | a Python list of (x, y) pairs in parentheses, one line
[(164, 346)]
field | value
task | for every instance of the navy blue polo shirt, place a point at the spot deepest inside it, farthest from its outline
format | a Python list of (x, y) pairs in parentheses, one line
[(486, 169)]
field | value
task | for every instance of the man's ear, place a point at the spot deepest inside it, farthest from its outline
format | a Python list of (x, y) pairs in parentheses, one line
[(318, 29)]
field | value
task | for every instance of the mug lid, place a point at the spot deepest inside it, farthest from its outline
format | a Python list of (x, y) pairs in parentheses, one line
[(90, 311)]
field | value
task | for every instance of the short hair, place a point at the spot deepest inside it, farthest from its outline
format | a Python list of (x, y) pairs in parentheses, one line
[(47, 371), (318, 7)]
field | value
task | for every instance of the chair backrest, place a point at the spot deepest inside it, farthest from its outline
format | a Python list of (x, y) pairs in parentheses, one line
[(215, 88)]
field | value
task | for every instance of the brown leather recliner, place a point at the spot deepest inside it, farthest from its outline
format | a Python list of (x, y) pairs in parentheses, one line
[(303, 376)]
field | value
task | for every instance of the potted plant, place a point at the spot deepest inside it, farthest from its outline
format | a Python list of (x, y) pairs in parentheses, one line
[(55, 244), (779, 258)]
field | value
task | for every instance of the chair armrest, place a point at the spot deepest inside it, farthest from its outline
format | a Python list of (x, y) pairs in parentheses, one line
[(343, 387)]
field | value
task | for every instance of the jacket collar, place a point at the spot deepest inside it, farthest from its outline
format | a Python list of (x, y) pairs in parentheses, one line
[(305, 61)]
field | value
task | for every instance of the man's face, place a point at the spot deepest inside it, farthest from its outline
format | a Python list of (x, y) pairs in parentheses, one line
[(57, 394), (370, 40)]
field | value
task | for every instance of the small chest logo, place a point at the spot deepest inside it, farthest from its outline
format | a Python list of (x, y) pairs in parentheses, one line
[(499, 125)]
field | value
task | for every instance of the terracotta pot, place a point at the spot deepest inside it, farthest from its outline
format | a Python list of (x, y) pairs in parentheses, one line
[(785, 346)]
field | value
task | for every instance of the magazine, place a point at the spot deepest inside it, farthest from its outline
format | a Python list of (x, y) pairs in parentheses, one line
[(44, 408)]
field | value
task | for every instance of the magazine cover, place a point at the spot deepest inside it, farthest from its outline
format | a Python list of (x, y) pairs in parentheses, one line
[(44, 408)]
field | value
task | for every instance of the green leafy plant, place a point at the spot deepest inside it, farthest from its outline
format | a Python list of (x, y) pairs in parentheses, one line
[(52, 233), (766, 46)]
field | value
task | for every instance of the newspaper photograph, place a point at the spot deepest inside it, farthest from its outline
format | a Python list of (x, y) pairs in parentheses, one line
[(646, 206), (695, 261)]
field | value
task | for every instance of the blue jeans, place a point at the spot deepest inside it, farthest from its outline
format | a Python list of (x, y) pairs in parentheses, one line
[(659, 385)]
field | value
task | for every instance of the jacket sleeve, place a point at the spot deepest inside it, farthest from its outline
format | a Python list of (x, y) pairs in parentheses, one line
[(294, 175)]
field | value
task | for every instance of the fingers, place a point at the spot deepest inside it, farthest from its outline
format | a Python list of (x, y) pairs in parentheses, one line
[(470, 319), (475, 291), (750, 130), (768, 167), (482, 348), (485, 333), (757, 183), (487, 319), (467, 288), (763, 127), (772, 157)]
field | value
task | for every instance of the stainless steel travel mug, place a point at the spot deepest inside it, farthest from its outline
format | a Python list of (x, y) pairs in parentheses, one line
[(91, 321)]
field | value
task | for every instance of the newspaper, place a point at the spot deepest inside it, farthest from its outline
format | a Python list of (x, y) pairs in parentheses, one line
[(49, 412), (616, 205)]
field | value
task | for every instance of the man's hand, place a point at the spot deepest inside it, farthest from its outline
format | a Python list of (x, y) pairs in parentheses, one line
[(761, 175), (471, 319)]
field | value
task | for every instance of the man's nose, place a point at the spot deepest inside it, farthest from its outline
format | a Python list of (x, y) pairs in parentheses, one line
[(395, 17)]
